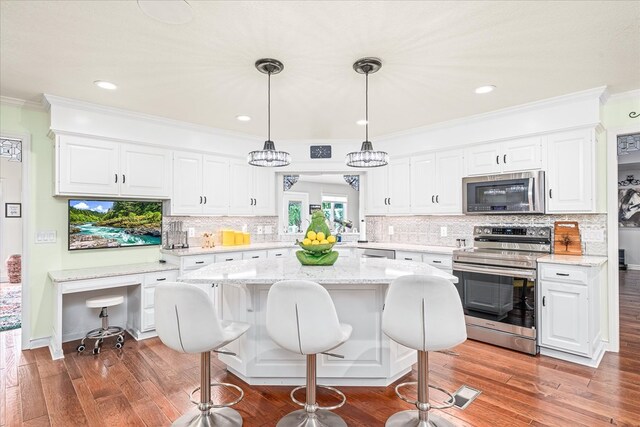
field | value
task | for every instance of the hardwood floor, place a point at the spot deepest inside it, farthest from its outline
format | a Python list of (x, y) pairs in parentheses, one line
[(148, 384)]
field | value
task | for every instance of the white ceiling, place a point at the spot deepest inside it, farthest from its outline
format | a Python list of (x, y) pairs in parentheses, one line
[(434, 55)]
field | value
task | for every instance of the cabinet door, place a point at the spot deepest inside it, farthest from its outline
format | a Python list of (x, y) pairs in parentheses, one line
[(377, 190), (564, 317), (264, 191), (484, 159), (570, 173), (522, 154), (187, 184), (449, 182), (241, 188), (423, 183), (215, 185), (87, 167), (399, 186), (145, 171)]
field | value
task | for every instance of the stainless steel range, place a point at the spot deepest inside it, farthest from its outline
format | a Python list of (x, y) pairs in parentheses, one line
[(497, 284)]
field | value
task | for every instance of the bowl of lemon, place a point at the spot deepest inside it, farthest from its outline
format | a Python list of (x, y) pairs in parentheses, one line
[(317, 243)]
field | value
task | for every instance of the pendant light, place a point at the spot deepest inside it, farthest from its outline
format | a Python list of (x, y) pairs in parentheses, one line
[(367, 157), (269, 156)]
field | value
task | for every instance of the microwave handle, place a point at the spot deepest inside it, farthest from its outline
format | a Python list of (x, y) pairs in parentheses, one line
[(530, 194)]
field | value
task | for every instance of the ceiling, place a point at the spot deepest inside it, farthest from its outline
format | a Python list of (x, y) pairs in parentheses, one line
[(434, 54)]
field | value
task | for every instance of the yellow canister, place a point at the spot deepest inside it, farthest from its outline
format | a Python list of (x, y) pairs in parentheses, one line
[(239, 237), (247, 238), (228, 237)]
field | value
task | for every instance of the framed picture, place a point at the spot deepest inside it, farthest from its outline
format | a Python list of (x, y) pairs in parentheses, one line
[(13, 210)]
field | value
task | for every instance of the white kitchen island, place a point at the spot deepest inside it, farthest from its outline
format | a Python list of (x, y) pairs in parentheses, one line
[(357, 286)]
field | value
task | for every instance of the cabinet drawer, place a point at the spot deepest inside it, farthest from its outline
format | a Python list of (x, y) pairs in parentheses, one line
[(278, 253), (197, 261), (409, 256), (438, 260), (229, 256), (160, 277), (254, 255), (148, 319), (565, 274), (148, 295)]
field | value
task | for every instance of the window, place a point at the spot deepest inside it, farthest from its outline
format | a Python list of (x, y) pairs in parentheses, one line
[(334, 208), (295, 211)]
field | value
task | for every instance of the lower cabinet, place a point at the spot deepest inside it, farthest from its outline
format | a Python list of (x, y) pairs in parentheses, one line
[(149, 283), (569, 307)]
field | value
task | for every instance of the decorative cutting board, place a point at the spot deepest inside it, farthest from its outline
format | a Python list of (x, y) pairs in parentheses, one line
[(566, 239)]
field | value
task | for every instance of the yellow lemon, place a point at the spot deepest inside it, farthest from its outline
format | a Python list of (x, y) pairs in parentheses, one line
[(320, 235), (311, 235), (331, 239), (324, 242), (315, 242), (306, 242)]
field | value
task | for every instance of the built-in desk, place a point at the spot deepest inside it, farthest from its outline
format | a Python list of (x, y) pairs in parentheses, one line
[(134, 281)]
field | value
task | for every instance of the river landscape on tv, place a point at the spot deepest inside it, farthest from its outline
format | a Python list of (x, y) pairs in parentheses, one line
[(99, 224)]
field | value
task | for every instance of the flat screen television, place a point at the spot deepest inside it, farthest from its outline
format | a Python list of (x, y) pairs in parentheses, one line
[(101, 224)]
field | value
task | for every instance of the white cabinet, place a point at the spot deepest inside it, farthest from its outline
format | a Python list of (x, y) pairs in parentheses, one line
[(200, 184), (571, 171), (278, 253), (436, 182), (506, 156), (569, 307), (150, 281), (389, 188), (252, 191), (409, 256), (94, 167), (441, 261), (254, 255)]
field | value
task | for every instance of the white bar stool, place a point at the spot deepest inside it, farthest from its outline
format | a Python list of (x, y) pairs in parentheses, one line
[(106, 331), (187, 321), (301, 318), (423, 313)]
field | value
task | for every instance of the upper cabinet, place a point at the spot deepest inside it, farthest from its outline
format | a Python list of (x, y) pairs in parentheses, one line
[(200, 184), (95, 167), (507, 156), (436, 182), (252, 190), (388, 188), (571, 171)]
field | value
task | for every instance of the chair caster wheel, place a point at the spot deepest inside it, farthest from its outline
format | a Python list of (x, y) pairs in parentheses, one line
[(121, 338), (80, 348), (96, 350), (118, 345)]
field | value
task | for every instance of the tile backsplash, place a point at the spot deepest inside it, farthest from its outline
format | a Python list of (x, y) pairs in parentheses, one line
[(426, 229), (213, 224)]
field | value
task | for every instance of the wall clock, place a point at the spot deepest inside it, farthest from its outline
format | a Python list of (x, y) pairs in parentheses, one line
[(320, 151)]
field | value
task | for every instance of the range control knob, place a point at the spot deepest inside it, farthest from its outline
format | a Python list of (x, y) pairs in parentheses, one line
[(487, 231), (542, 233), (531, 231)]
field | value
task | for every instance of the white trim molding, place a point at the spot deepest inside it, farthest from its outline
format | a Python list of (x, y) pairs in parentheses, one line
[(22, 103)]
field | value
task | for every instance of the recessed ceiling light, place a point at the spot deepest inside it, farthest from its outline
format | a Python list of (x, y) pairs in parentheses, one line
[(167, 11), (361, 122), (485, 89), (243, 118), (105, 85)]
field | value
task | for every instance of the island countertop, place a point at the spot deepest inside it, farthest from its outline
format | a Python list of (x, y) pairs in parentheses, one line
[(344, 271)]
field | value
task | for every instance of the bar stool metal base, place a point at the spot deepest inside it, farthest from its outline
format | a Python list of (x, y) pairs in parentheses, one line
[(319, 418), (412, 419), (221, 417)]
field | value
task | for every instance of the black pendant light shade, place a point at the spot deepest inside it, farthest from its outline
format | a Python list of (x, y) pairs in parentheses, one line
[(269, 156), (367, 157)]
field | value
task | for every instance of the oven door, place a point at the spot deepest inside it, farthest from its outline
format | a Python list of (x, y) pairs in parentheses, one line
[(497, 294), (508, 193)]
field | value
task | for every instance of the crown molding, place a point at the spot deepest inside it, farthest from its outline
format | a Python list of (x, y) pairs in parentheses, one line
[(54, 100), (595, 93), (631, 94), (22, 103)]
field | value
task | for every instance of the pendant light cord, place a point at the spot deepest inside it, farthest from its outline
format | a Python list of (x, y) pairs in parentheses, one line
[(366, 105), (269, 107)]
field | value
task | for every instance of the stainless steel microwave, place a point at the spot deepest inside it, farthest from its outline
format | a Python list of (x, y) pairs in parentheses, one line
[(513, 193)]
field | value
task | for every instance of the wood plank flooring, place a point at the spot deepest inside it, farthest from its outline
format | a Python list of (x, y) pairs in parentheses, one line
[(148, 385)]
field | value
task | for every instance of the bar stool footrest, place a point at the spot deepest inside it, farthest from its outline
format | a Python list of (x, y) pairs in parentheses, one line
[(210, 405), (326, 408), (415, 402)]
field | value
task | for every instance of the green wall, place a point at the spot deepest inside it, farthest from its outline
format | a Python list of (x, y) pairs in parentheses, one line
[(46, 212), (615, 113)]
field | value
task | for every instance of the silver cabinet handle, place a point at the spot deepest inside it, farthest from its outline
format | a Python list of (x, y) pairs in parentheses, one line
[(389, 200), (504, 159), (498, 159), (437, 196), (200, 199), (124, 178), (205, 200), (544, 301), (551, 193), (116, 178), (432, 197)]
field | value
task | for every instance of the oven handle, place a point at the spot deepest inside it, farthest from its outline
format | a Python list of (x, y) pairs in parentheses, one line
[(497, 271)]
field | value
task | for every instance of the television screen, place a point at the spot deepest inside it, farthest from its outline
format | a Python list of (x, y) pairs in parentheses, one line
[(99, 224)]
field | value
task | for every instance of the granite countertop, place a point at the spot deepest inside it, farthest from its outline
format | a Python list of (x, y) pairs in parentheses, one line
[(279, 245), (109, 271), (350, 270), (581, 260)]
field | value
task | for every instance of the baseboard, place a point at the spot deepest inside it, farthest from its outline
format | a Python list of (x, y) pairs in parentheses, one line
[(39, 342), (633, 266)]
